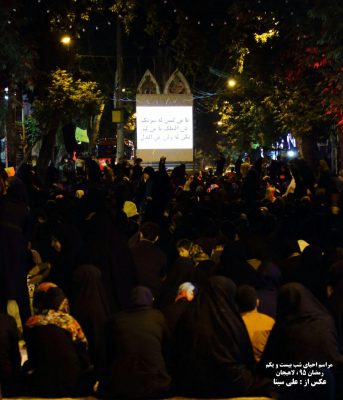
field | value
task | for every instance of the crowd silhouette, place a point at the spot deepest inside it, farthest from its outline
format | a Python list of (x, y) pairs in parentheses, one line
[(138, 282)]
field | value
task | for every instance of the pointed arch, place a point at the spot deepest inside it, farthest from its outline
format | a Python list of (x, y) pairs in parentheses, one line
[(148, 84), (177, 84)]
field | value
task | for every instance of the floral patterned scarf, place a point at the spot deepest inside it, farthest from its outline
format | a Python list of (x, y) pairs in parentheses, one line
[(53, 309)]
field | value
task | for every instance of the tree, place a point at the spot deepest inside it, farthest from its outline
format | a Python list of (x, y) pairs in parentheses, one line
[(65, 100), (292, 50), (288, 50), (17, 68)]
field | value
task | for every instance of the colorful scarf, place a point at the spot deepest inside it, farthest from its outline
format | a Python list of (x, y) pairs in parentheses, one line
[(186, 291), (59, 317)]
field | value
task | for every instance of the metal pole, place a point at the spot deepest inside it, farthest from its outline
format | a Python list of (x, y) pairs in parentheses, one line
[(118, 90)]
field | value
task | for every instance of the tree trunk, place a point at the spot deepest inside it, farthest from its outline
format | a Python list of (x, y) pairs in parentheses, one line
[(340, 149), (27, 155), (46, 153), (96, 128), (308, 149)]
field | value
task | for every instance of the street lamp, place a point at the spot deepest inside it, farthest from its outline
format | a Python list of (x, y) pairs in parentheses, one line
[(231, 83), (66, 40), (67, 59)]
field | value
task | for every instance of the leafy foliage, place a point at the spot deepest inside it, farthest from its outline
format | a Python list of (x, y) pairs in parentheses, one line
[(285, 55), (67, 99), (33, 131), (296, 107)]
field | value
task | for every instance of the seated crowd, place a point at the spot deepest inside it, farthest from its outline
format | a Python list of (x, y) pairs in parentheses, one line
[(128, 284)]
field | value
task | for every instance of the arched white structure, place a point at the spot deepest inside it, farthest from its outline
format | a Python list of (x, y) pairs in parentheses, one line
[(148, 84), (177, 84)]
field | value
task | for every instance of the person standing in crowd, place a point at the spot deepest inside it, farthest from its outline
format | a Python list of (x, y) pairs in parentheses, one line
[(150, 261), (137, 170), (148, 192), (91, 308), (132, 225), (105, 246), (220, 164), (14, 230)]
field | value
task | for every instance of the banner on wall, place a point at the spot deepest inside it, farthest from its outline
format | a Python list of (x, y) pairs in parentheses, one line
[(81, 135)]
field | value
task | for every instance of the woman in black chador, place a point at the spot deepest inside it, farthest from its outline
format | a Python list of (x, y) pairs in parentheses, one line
[(91, 309), (9, 356), (304, 332), (136, 346), (14, 227), (214, 357)]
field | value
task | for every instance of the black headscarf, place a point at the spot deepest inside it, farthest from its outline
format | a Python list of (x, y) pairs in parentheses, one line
[(267, 295), (105, 246), (90, 294), (216, 308), (312, 270), (141, 296), (65, 261), (303, 331), (295, 302), (17, 191), (235, 266)]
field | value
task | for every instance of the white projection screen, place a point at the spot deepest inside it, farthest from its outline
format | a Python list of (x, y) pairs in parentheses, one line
[(164, 127)]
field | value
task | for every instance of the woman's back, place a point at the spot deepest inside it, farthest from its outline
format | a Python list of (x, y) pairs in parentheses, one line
[(304, 332), (53, 357), (213, 350), (9, 356), (91, 309), (57, 347), (136, 340)]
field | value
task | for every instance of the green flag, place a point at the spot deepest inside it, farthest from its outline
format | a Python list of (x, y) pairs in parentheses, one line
[(81, 135)]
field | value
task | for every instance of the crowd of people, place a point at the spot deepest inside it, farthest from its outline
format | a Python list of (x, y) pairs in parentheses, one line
[(135, 282)]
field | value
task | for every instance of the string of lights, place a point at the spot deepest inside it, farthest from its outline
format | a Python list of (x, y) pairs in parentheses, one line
[(106, 21), (198, 95)]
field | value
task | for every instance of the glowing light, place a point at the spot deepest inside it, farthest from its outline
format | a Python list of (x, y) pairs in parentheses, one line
[(291, 153), (231, 83), (219, 123), (66, 40)]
